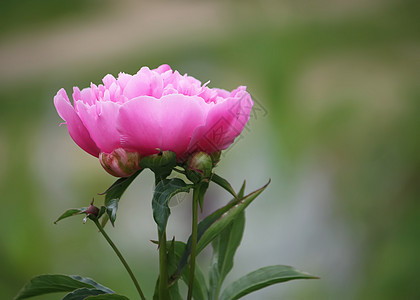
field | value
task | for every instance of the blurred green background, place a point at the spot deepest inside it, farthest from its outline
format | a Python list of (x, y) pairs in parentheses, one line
[(335, 126)]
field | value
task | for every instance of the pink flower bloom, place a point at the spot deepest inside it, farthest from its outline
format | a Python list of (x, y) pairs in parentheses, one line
[(154, 109)]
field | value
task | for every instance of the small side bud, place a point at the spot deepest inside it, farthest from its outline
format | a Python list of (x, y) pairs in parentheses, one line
[(215, 157), (91, 212), (199, 167), (120, 163)]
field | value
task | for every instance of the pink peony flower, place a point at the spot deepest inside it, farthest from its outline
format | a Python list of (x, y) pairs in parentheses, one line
[(154, 109)]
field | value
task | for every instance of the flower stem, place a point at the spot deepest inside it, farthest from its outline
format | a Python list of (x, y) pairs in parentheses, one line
[(196, 195), (123, 261), (163, 268), (163, 255)]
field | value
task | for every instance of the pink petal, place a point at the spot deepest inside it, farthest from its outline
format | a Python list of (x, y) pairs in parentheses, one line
[(144, 83), (146, 123), (180, 116), (76, 95), (162, 69), (77, 130), (100, 120), (225, 121), (186, 85), (123, 79), (108, 80), (86, 95), (222, 93)]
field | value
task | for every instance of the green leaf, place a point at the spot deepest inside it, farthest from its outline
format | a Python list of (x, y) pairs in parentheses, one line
[(71, 212), (224, 184), (235, 208), (92, 283), (45, 284), (156, 290), (262, 278), (242, 190), (83, 293), (113, 195), (224, 249), (201, 189), (164, 191), (105, 219), (214, 224), (200, 285), (111, 210), (107, 297), (102, 210), (171, 261), (174, 292)]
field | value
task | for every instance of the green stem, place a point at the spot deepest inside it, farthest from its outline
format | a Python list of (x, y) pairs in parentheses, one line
[(108, 239), (196, 195), (163, 268), (163, 256)]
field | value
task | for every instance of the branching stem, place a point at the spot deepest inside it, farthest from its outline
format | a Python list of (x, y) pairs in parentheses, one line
[(123, 261)]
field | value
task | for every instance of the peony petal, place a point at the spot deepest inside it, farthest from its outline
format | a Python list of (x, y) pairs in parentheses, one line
[(209, 95), (146, 123), (108, 80), (100, 120), (225, 121), (144, 83), (76, 95), (222, 93), (77, 130), (162, 69), (123, 79), (180, 116), (138, 125), (186, 85), (86, 95)]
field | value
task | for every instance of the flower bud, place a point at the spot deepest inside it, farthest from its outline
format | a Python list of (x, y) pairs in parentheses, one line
[(199, 167), (91, 212), (161, 163), (120, 163), (215, 157)]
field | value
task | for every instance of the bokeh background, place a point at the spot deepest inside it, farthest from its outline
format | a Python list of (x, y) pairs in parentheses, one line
[(335, 126)]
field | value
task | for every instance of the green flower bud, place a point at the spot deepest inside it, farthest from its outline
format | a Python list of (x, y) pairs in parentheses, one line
[(161, 164), (199, 167), (215, 157)]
